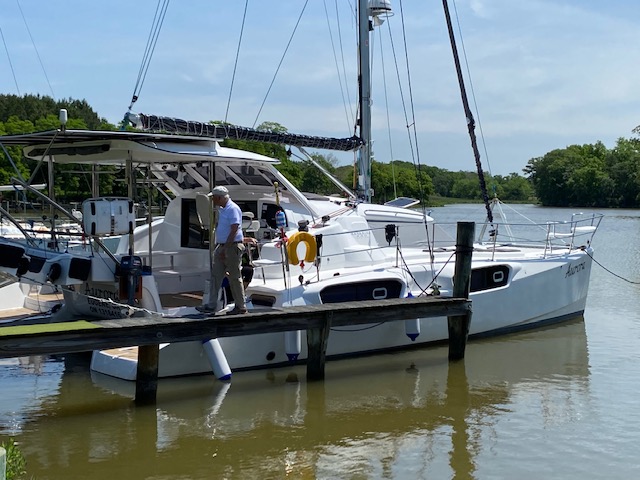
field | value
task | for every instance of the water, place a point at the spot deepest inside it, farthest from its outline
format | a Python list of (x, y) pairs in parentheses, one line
[(554, 403)]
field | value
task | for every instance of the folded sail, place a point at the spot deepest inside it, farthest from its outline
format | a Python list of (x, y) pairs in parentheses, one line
[(186, 127)]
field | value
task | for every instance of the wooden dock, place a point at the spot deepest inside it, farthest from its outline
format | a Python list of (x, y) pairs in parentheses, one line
[(149, 331), (84, 335)]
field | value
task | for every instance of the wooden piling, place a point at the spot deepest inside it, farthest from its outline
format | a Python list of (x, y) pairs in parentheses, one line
[(147, 374), (317, 348), (459, 324)]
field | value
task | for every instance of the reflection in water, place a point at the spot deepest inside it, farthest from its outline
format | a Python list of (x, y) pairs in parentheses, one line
[(406, 415)]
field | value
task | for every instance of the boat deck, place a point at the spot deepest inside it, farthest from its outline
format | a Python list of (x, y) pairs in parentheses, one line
[(34, 304), (184, 299)]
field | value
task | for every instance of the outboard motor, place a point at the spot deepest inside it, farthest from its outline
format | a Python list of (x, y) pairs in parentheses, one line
[(130, 281)]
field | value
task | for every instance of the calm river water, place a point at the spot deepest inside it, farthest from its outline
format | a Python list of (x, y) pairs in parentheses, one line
[(559, 402)]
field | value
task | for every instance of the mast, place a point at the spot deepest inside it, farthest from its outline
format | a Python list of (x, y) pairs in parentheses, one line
[(364, 164), (378, 10)]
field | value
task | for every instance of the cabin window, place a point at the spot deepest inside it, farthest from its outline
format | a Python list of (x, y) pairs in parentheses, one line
[(487, 278), (192, 234), (186, 182), (250, 175), (248, 207), (351, 292), (223, 177)]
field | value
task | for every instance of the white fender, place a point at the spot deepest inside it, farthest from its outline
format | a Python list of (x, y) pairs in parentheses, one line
[(217, 359), (292, 344), (412, 328)]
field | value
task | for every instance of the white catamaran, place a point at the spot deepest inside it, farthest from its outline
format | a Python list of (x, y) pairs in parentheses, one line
[(320, 253)]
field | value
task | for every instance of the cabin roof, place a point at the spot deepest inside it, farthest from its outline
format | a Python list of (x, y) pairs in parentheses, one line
[(114, 147)]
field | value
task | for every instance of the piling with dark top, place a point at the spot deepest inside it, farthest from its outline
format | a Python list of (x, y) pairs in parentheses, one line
[(459, 324)]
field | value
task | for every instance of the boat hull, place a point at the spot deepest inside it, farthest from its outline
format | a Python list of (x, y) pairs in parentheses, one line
[(497, 311)]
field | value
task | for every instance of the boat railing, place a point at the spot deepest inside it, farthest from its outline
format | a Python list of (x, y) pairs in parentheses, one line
[(553, 237), (57, 239)]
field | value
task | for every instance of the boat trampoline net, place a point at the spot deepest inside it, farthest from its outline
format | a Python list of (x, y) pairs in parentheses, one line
[(157, 124)]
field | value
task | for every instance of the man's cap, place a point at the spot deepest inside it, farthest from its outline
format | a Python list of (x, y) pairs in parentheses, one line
[(219, 191)]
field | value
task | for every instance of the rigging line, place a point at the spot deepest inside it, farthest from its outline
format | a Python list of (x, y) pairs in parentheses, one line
[(235, 65), (335, 58), (10, 64), (473, 93), (386, 103), (155, 41), (415, 155), (156, 26), (35, 48), (419, 173), (144, 57), (410, 88), (401, 91), (467, 111), (280, 64), (609, 271), (344, 68)]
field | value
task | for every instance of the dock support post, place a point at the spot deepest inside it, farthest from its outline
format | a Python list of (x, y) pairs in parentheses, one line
[(459, 324), (147, 374), (317, 349)]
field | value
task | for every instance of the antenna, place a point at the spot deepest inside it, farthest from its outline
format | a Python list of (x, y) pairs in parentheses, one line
[(63, 119), (378, 9)]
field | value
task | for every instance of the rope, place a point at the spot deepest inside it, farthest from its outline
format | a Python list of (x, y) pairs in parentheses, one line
[(424, 290), (280, 64), (345, 102), (609, 271), (35, 48), (413, 142), (473, 93), (156, 26), (358, 329), (468, 113), (10, 64), (235, 65)]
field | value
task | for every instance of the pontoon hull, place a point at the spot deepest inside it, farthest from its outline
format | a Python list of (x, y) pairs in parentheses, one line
[(496, 311)]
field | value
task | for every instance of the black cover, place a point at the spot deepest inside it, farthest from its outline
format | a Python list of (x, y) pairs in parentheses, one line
[(155, 123)]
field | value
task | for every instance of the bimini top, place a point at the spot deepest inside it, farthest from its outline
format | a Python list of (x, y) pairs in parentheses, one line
[(114, 148)]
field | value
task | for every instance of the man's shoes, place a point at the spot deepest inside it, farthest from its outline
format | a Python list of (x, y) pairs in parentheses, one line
[(206, 309), (237, 311)]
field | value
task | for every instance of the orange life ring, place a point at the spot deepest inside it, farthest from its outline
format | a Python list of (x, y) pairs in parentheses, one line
[(292, 247)]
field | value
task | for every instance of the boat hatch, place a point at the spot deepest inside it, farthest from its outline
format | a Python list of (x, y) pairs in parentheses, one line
[(262, 300), (486, 278), (351, 292)]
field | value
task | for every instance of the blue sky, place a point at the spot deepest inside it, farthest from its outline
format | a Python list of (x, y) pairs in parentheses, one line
[(545, 73)]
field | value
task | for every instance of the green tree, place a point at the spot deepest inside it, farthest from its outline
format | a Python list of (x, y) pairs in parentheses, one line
[(623, 165)]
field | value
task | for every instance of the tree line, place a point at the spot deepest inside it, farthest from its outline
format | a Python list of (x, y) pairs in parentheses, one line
[(578, 175)]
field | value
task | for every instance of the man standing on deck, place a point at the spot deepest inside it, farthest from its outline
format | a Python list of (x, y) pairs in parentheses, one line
[(227, 255)]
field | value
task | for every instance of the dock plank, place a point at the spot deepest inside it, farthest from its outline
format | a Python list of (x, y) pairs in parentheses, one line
[(154, 329)]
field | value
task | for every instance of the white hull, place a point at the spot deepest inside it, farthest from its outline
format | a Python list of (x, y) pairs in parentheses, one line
[(508, 309)]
